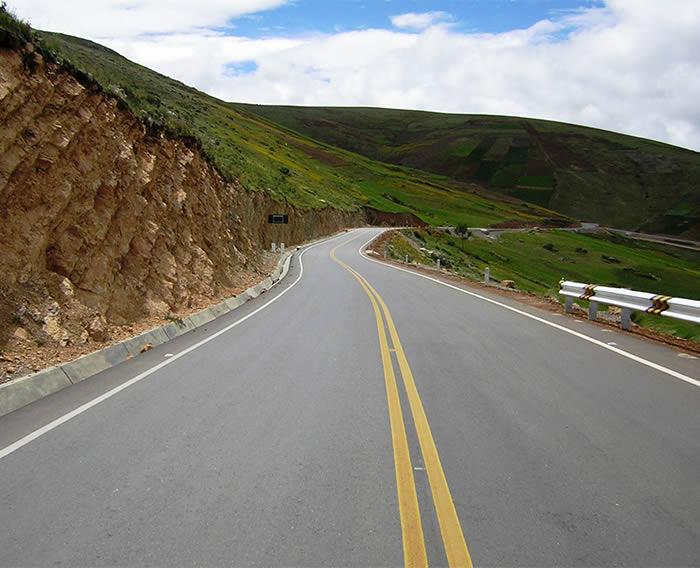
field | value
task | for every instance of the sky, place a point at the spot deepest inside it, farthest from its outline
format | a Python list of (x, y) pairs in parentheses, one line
[(631, 66)]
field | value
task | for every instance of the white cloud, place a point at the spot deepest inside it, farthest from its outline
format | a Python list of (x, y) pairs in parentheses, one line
[(130, 18), (631, 65), (419, 21)]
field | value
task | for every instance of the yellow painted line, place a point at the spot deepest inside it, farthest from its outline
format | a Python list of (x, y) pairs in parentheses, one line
[(450, 528), (411, 527)]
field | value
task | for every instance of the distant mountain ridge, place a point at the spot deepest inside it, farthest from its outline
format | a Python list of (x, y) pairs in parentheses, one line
[(586, 173), (445, 169)]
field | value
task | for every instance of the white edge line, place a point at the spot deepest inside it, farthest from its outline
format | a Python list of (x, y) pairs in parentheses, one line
[(631, 356), (110, 393)]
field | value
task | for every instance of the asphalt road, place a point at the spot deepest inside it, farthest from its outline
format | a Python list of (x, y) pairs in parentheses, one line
[(365, 417)]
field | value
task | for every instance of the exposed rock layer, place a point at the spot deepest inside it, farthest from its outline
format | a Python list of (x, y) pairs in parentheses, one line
[(102, 224)]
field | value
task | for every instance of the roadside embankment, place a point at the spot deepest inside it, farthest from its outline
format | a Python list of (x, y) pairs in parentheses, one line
[(25, 390), (108, 229), (528, 267)]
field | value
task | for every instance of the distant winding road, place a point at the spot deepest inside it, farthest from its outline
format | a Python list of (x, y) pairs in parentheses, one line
[(362, 415)]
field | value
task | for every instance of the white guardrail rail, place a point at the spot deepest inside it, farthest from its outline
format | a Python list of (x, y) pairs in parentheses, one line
[(628, 301)]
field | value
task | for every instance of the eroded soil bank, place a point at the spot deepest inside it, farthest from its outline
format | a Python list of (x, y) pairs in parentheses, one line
[(107, 229)]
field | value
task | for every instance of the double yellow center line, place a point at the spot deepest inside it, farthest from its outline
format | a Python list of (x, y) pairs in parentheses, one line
[(411, 527)]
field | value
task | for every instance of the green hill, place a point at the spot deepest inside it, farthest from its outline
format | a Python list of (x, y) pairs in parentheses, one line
[(446, 169), (269, 157), (589, 174)]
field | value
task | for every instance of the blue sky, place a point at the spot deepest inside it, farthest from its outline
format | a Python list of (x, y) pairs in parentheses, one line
[(485, 16), (626, 65)]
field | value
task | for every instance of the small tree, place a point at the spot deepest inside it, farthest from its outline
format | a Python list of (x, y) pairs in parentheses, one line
[(462, 229)]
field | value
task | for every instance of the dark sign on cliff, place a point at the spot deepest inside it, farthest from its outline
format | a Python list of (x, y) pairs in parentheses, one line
[(278, 219)]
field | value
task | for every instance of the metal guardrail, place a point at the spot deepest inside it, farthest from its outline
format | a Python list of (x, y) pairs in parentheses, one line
[(628, 301)]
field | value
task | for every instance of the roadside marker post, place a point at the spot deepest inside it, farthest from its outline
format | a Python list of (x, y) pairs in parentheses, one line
[(277, 219), (487, 275)]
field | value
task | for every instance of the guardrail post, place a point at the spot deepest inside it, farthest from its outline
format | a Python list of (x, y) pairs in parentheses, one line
[(274, 247), (487, 275), (626, 319), (569, 304), (592, 310)]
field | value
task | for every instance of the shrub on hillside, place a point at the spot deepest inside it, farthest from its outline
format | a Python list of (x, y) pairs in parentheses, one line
[(462, 229)]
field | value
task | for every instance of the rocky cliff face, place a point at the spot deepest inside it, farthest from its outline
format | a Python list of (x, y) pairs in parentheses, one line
[(104, 227)]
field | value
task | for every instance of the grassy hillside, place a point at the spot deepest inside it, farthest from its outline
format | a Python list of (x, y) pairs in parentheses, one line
[(269, 157), (590, 174), (537, 261)]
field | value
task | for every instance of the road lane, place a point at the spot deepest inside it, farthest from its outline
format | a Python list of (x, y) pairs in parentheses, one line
[(455, 546), (267, 446), (413, 540), (557, 452), (271, 444)]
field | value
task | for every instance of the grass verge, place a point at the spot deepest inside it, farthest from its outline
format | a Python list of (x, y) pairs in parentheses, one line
[(537, 260)]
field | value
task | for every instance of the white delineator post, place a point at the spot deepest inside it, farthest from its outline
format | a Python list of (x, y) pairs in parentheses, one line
[(487, 275), (438, 264), (282, 248), (273, 248)]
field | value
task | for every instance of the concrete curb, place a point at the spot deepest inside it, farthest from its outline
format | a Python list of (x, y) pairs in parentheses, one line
[(91, 364), (25, 390)]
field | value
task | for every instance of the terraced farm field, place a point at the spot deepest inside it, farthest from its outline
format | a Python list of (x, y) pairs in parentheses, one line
[(444, 168), (590, 174)]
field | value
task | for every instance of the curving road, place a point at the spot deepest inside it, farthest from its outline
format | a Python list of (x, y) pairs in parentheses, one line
[(361, 415)]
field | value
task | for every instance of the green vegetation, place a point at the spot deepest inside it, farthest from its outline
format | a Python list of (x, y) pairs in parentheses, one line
[(401, 249), (425, 164), (430, 164), (268, 157), (13, 31), (536, 181), (589, 174), (537, 261)]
